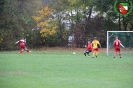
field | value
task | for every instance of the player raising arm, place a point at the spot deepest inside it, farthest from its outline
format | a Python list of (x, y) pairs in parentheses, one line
[(117, 44), (22, 46), (95, 44)]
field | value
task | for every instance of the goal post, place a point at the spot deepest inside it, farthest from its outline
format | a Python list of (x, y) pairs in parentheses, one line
[(124, 36)]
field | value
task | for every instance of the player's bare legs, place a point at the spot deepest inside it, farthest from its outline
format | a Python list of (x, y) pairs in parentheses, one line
[(120, 54), (21, 50), (27, 50), (94, 53), (85, 52), (114, 54)]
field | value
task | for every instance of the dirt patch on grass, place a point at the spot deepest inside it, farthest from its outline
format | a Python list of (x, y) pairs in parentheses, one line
[(13, 73)]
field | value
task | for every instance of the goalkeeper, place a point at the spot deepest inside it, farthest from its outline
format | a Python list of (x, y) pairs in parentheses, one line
[(117, 44)]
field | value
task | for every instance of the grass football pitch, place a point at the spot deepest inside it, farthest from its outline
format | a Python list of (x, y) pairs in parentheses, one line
[(60, 68)]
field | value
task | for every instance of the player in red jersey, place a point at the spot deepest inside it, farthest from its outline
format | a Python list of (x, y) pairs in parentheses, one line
[(117, 44), (22, 46), (89, 48)]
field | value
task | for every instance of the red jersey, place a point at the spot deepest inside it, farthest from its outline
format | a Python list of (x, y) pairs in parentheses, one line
[(21, 42), (89, 47), (117, 43)]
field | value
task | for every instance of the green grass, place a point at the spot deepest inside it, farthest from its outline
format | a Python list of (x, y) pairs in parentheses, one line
[(62, 69)]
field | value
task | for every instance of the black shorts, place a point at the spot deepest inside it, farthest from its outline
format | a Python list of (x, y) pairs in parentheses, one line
[(87, 51)]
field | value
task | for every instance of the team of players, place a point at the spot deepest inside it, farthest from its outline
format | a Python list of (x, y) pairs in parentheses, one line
[(93, 47)]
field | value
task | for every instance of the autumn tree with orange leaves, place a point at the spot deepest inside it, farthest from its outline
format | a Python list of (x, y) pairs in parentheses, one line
[(46, 23)]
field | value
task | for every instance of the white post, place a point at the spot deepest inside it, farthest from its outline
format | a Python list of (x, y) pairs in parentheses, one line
[(107, 44), (107, 50)]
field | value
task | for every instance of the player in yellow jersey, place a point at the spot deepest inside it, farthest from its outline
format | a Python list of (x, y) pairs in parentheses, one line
[(95, 44)]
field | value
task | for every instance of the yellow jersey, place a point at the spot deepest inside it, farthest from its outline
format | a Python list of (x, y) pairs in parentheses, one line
[(95, 44)]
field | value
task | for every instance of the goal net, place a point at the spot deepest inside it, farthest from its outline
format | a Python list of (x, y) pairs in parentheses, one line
[(126, 38)]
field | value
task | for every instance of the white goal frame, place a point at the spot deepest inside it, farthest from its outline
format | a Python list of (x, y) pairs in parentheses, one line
[(107, 42)]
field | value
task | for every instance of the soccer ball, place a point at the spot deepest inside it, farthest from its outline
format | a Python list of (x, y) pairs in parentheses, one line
[(74, 53)]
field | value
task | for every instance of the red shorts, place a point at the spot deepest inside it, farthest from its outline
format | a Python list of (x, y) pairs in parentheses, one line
[(96, 49), (22, 46), (117, 50), (90, 49)]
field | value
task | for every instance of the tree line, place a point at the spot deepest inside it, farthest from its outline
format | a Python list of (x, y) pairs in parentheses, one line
[(52, 22)]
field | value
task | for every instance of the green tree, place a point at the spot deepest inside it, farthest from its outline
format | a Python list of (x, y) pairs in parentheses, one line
[(15, 18)]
